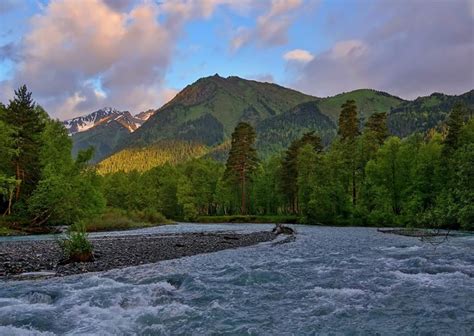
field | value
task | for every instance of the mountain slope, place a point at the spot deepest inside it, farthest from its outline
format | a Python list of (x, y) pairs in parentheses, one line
[(424, 113), (276, 133), (84, 123), (103, 129), (202, 117), (208, 110), (368, 102)]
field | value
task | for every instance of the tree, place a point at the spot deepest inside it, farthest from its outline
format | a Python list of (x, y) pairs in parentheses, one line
[(377, 126), (454, 124), (8, 183), (348, 132), (28, 121), (68, 190), (289, 172), (242, 160), (348, 122)]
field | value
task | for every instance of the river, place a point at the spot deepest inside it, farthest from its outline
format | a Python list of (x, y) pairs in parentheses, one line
[(329, 281)]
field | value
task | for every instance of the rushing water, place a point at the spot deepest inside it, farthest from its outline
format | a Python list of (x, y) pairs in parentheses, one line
[(330, 281)]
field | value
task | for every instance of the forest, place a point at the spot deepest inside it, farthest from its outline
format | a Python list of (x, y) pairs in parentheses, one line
[(365, 177)]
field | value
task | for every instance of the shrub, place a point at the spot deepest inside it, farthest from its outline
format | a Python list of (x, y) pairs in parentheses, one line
[(118, 219), (77, 246)]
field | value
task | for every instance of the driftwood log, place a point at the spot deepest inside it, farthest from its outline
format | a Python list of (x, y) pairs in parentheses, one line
[(281, 229)]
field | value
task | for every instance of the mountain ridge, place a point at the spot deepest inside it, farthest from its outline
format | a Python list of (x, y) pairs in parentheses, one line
[(206, 112)]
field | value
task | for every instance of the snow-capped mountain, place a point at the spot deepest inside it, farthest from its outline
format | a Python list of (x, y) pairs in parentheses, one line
[(105, 116), (83, 123), (145, 115), (123, 118)]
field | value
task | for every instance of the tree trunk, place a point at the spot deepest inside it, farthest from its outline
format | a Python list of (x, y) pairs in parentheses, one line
[(244, 195), (18, 177), (354, 193)]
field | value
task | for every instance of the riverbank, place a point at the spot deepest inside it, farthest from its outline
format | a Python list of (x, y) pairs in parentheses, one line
[(19, 259)]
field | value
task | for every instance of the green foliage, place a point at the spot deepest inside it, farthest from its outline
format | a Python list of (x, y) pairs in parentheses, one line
[(27, 121), (68, 191), (119, 219), (143, 159), (425, 113), (77, 246), (40, 183), (289, 167), (348, 121), (368, 101), (248, 219), (242, 160)]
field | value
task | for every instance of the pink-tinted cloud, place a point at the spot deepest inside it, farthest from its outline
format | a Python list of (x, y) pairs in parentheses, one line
[(79, 57), (412, 48)]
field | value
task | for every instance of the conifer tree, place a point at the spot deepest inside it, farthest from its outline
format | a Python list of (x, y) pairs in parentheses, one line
[(289, 173), (28, 121), (348, 123), (377, 125), (349, 131), (454, 123), (242, 160)]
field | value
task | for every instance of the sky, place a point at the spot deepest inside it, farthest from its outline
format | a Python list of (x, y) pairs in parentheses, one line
[(77, 56)]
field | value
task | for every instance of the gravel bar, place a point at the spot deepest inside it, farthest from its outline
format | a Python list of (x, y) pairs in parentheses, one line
[(42, 258)]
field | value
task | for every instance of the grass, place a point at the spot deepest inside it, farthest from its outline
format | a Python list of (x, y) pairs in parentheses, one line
[(248, 219), (76, 246), (116, 219), (5, 231)]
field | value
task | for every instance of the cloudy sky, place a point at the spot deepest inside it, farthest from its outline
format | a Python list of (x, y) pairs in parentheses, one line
[(79, 55)]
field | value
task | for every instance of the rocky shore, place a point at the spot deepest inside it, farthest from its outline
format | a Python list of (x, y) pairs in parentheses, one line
[(29, 259)]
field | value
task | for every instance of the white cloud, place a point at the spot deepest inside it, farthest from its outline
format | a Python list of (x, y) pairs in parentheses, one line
[(298, 55)]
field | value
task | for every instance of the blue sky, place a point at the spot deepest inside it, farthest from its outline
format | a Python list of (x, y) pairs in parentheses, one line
[(77, 56)]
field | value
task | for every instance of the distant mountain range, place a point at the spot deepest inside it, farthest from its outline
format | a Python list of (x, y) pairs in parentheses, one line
[(205, 113), (103, 129)]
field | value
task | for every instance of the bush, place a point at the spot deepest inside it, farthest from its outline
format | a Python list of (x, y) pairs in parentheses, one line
[(77, 246), (118, 219)]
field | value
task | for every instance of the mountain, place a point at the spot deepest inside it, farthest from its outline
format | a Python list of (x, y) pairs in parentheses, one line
[(201, 118), (368, 101), (84, 123), (424, 113), (103, 129), (145, 115), (208, 110)]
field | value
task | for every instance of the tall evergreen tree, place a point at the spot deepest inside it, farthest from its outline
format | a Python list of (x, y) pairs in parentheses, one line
[(348, 122), (377, 125), (242, 160), (454, 123), (289, 172), (349, 131), (28, 121)]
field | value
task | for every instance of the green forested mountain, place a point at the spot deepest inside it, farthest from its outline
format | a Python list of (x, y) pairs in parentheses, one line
[(158, 154), (424, 113), (207, 111), (368, 102), (276, 133), (104, 138)]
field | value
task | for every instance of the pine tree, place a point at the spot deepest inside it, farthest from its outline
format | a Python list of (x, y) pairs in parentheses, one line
[(242, 160), (28, 121), (377, 125), (348, 123), (454, 123), (289, 173), (349, 131)]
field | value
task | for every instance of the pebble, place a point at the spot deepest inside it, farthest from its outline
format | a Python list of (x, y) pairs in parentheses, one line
[(22, 257)]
